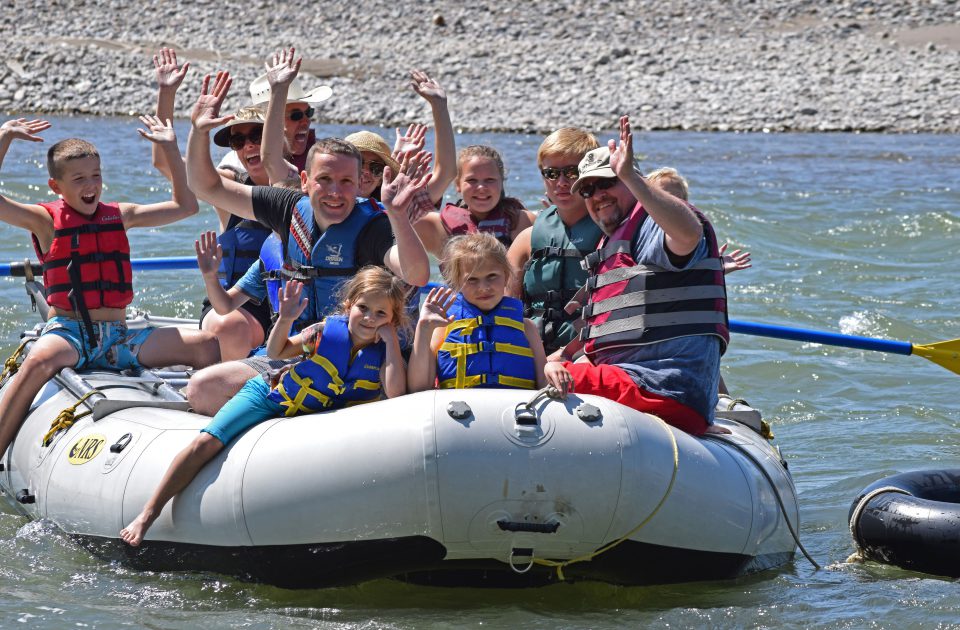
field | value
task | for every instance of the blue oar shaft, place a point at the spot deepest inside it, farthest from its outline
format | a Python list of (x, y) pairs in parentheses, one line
[(140, 264), (817, 336)]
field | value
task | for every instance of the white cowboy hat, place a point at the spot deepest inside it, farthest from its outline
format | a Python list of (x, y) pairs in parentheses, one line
[(260, 92)]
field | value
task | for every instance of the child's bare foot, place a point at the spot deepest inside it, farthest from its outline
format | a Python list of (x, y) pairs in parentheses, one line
[(717, 430), (133, 533)]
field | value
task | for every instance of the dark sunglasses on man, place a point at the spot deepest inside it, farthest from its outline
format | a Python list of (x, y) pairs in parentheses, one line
[(587, 190), (553, 174), (237, 140), (298, 114)]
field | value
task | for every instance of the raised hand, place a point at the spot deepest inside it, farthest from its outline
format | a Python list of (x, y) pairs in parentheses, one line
[(426, 87), (23, 129), (735, 260), (209, 253), (397, 191), (433, 313), (206, 112), (169, 74), (292, 302), (156, 131), (410, 142), (621, 154), (283, 67)]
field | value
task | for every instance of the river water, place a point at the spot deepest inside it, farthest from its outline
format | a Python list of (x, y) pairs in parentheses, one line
[(849, 233)]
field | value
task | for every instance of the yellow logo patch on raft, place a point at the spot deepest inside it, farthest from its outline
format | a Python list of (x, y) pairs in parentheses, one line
[(86, 448)]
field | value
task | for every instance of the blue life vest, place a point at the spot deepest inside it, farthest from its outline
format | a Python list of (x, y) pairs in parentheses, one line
[(323, 262), (241, 243), (271, 258), (329, 379), (486, 349)]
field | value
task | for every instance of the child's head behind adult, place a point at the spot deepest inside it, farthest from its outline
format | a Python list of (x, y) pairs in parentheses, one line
[(66, 150), (464, 256), (480, 176), (377, 281)]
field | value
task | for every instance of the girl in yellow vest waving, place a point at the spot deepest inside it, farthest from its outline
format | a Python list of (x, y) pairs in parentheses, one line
[(475, 336), (349, 359)]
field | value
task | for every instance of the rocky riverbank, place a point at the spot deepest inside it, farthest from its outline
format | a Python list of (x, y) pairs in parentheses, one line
[(776, 65)]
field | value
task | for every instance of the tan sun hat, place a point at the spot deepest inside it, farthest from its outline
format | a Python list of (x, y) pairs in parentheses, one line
[(244, 116), (260, 92), (596, 165), (369, 141)]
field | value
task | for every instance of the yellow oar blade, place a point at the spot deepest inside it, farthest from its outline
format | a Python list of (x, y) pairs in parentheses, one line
[(945, 354)]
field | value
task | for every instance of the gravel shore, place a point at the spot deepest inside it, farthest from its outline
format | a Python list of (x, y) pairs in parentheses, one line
[(745, 65)]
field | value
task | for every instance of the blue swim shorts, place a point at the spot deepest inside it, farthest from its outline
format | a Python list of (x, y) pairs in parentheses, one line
[(248, 408), (114, 346)]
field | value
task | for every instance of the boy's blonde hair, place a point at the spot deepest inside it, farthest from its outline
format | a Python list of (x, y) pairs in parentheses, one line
[(377, 280), (567, 141), (670, 180), (462, 254), (66, 150)]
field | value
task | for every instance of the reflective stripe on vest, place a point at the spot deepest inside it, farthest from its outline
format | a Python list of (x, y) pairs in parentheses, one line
[(241, 242), (633, 304), (486, 349), (553, 275), (88, 264), (322, 262), (329, 379)]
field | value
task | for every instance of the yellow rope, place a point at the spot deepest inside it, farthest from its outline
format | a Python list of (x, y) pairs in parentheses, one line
[(66, 418), (590, 556), (11, 365)]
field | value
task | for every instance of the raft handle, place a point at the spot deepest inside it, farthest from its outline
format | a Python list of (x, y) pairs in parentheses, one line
[(522, 552), (24, 496), (122, 443), (521, 526)]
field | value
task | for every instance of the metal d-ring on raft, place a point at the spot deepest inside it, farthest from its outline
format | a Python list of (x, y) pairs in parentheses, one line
[(911, 520)]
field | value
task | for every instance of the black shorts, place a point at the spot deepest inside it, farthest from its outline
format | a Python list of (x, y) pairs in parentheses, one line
[(261, 312)]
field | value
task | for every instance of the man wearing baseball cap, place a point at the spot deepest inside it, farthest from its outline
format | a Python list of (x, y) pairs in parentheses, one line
[(655, 321)]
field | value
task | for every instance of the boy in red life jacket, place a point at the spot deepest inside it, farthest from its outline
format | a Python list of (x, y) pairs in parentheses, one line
[(83, 246)]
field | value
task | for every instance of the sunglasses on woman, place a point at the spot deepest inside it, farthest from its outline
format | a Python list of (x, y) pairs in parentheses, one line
[(237, 140), (553, 174), (376, 168), (298, 114), (587, 190)]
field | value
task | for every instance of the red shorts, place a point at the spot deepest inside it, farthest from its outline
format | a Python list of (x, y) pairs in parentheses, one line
[(612, 382)]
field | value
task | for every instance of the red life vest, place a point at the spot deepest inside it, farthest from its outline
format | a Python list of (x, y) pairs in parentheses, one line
[(457, 221), (632, 304), (88, 265)]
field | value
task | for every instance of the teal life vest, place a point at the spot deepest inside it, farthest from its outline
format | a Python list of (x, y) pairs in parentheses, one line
[(330, 379), (553, 275), (486, 349), (323, 261)]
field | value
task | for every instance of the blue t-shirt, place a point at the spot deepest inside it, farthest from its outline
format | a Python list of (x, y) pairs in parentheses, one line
[(685, 369), (252, 284)]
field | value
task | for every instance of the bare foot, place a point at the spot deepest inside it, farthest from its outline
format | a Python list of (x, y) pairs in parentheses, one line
[(717, 430), (133, 533)]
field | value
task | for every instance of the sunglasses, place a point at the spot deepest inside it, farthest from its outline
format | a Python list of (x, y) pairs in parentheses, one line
[(298, 114), (376, 168), (587, 190), (570, 172), (238, 140)]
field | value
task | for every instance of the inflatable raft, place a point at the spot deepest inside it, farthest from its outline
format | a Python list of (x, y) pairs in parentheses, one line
[(454, 487), (911, 520)]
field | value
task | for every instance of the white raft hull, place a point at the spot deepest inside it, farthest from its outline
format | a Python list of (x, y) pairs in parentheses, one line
[(401, 488)]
